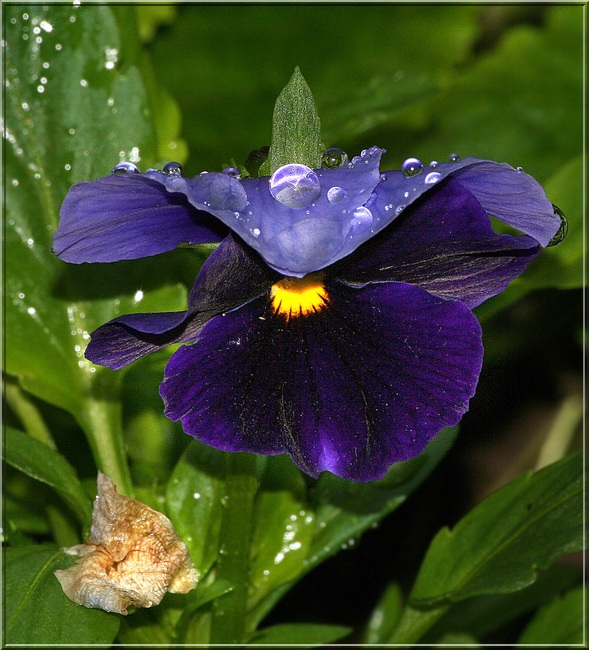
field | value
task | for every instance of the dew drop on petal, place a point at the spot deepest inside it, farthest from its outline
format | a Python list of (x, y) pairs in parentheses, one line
[(454, 157), (125, 168), (333, 158), (399, 209), (362, 217), (433, 164), (233, 172), (295, 186), (173, 169), (563, 230), (335, 194), (412, 167), (432, 177), (256, 232)]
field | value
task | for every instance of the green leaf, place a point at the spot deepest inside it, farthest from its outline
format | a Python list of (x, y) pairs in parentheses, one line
[(283, 529), (345, 509), (482, 615), (77, 104), (458, 639), (561, 622), (194, 502), (339, 511), (385, 616), (303, 635), (47, 465), (36, 609), (296, 131), (501, 544)]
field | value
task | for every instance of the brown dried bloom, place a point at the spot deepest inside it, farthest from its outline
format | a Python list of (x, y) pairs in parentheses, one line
[(132, 557)]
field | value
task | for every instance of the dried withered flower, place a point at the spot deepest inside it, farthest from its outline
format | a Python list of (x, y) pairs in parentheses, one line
[(133, 556)]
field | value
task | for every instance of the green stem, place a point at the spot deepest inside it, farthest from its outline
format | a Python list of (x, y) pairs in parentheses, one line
[(229, 612), (414, 623), (102, 423), (28, 413)]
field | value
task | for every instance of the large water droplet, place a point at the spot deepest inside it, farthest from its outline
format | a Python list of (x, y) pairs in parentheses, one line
[(432, 177), (233, 172), (412, 167), (295, 186), (333, 157), (563, 230), (362, 217), (335, 194), (173, 169), (126, 168)]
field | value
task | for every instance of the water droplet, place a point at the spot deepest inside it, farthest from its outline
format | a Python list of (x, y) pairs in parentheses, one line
[(433, 164), (295, 186), (256, 232), (362, 217), (563, 229), (125, 168), (432, 177), (454, 157), (520, 169), (335, 194), (333, 158), (233, 172), (383, 178), (83, 83), (399, 209), (173, 169), (412, 167)]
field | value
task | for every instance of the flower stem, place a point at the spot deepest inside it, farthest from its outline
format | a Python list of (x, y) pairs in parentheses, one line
[(102, 423), (25, 408), (229, 612)]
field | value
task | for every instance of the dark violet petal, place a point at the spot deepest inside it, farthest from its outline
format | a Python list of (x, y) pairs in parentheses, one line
[(444, 243), (126, 216), (127, 338), (511, 195), (292, 240), (231, 276), (363, 383)]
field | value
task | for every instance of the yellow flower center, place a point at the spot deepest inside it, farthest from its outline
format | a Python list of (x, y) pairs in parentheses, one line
[(299, 296)]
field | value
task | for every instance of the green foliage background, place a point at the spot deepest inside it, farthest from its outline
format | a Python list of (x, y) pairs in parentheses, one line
[(86, 86)]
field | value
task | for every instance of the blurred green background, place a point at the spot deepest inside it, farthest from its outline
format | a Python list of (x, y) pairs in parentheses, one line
[(497, 81)]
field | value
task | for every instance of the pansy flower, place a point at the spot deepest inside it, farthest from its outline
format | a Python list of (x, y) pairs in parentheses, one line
[(333, 322)]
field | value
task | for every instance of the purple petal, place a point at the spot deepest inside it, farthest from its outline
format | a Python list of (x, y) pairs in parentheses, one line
[(362, 384), (126, 216), (231, 276), (444, 243), (511, 195), (292, 240)]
